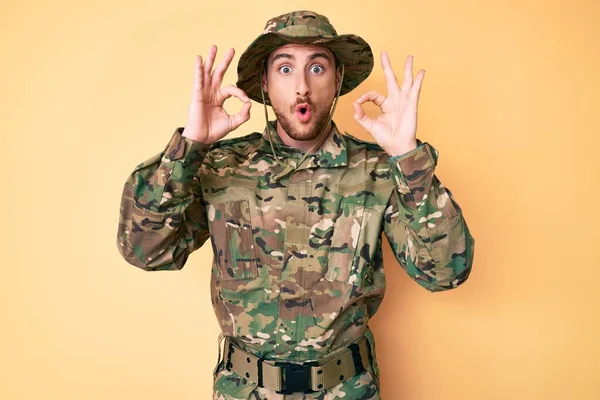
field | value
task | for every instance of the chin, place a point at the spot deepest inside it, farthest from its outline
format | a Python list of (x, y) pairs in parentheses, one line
[(307, 132), (303, 138), (298, 130)]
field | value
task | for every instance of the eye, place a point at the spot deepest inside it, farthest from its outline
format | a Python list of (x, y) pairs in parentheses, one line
[(316, 69), (285, 69)]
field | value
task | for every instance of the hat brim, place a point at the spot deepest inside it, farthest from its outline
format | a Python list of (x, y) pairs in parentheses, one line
[(353, 51)]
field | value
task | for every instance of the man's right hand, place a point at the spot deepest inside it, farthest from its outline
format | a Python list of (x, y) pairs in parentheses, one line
[(207, 119)]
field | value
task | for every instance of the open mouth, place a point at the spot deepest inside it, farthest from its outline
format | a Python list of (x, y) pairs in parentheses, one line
[(303, 108), (303, 112)]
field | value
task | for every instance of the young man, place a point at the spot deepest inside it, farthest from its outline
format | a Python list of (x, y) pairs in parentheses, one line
[(295, 214)]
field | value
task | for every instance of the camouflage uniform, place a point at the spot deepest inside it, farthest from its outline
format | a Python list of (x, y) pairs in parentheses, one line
[(297, 268)]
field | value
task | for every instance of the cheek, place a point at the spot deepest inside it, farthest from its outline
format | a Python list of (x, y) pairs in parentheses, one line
[(324, 87), (279, 96), (280, 105), (326, 94)]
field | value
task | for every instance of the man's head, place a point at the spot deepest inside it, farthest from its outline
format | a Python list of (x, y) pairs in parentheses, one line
[(295, 46), (303, 28), (301, 82)]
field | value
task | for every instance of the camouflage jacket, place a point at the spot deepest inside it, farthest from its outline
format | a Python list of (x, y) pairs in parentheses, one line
[(297, 269)]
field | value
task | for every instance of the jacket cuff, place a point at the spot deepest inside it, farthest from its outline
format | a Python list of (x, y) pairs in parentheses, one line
[(413, 172), (183, 148)]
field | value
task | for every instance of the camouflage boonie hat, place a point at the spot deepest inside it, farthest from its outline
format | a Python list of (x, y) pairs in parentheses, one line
[(304, 27)]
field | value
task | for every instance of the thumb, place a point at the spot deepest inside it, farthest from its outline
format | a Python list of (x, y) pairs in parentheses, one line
[(362, 118), (242, 116)]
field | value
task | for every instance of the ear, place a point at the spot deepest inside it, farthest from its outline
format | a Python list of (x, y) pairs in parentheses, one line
[(264, 82), (338, 80)]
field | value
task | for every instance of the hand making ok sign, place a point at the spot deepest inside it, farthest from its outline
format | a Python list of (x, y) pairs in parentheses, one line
[(395, 129), (207, 119)]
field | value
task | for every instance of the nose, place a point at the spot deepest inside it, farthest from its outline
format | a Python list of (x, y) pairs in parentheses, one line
[(302, 88)]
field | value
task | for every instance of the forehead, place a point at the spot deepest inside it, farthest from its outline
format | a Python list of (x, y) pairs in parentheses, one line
[(300, 51)]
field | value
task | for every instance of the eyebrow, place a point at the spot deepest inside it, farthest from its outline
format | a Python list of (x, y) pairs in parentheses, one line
[(291, 57)]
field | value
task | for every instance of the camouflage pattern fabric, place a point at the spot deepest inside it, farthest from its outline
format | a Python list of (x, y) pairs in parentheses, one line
[(297, 269), (304, 27)]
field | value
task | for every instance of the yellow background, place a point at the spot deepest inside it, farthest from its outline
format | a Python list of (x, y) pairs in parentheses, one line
[(510, 100)]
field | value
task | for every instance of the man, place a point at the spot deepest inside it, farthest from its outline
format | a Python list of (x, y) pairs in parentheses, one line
[(295, 214)]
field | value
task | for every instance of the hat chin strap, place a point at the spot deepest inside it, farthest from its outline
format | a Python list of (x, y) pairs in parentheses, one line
[(288, 168)]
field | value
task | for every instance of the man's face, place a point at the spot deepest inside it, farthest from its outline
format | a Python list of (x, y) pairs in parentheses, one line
[(301, 82)]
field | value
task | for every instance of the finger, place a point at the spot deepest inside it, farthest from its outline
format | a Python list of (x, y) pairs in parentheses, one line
[(358, 111), (242, 116), (372, 96), (388, 72), (362, 118), (408, 75), (416, 88), (209, 64), (198, 75), (231, 90), (219, 73)]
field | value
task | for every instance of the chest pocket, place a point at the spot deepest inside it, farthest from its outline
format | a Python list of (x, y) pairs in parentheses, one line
[(230, 225), (355, 234), (232, 239)]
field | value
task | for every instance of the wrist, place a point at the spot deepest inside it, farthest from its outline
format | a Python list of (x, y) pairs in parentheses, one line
[(400, 149), (195, 136)]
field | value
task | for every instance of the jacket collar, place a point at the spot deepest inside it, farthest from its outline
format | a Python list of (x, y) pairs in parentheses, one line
[(332, 153)]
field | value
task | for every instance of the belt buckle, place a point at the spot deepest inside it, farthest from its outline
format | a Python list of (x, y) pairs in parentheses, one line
[(295, 377)]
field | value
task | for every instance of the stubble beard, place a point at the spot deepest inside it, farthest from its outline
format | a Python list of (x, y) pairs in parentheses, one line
[(290, 122)]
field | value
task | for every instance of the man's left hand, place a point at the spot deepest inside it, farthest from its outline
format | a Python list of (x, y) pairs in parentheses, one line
[(396, 128)]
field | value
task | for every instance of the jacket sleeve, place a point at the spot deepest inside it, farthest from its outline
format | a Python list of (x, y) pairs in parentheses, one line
[(162, 216), (425, 225)]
